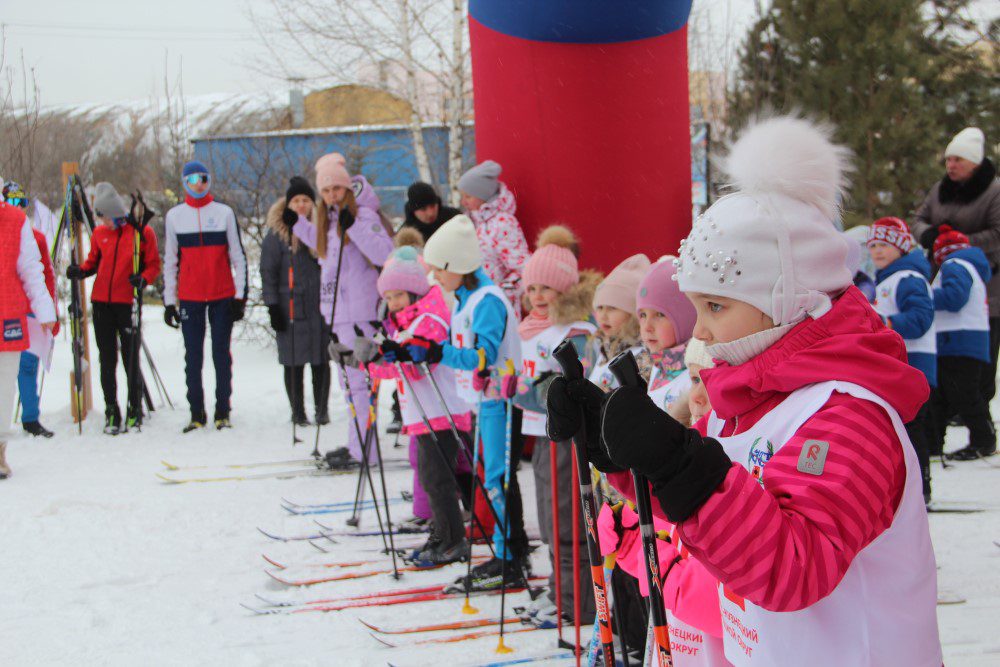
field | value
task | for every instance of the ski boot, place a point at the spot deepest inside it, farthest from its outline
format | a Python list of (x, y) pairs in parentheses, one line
[(438, 555), (4, 468), (222, 420), (300, 419), (198, 420), (971, 453), (112, 421), (488, 576), (322, 416), (36, 429), (339, 459), (133, 421), (431, 544), (414, 524)]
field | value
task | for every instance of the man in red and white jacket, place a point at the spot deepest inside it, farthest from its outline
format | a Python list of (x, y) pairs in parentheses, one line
[(22, 291), (205, 275), (112, 246)]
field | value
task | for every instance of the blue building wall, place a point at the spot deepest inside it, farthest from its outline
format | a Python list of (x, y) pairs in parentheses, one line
[(257, 166)]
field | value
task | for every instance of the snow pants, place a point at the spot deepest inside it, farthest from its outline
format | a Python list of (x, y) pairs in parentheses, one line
[(27, 385), (195, 316), (958, 393), (436, 467), (357, 380)]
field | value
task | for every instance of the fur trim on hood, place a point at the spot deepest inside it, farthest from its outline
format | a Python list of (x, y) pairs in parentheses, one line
[(277, 225), (576, 303)]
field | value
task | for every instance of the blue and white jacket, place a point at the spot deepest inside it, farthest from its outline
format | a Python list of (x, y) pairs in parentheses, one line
[(962, 320), (903, 298)]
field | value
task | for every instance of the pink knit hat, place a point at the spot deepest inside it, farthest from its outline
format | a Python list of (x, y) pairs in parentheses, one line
[(552, 266), (331, 169), (619, 288), (659, 291), (403, 271)]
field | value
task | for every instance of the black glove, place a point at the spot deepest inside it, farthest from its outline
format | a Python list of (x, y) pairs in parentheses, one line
[(569, 404), (346, 219), (928, 238), (393, 352), (74, 272), (683, 467), (278, 321), (137, 281), (289, 217), (237, 308), (423, 351), (171, 317)]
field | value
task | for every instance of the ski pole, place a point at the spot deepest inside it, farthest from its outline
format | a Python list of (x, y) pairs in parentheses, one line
[(157, 378), (626, 371), (333, 320), (616, 597), (291, 333), (556, 549), (508, 435), (75, 312), (359, 490), (575, 504), (466, 607), (568, 360)]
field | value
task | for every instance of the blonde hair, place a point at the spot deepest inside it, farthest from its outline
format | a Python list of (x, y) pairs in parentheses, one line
[(321, 219)]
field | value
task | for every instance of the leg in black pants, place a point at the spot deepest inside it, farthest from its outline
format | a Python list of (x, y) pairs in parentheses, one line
[(436, 468), (321, 392), (518, 537), (111, 326), (988, 381), (959, 379), (294, 386), (919, 431)]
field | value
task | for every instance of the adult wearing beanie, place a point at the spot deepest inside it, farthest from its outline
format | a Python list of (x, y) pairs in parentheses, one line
[(351, 239), (111, 248), (424, 211), (22, 291), (204, 285), (967, 199), (492, 207), (302, 334)]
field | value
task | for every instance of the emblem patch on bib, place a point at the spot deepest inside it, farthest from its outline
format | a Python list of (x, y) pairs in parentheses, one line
[(760, 454), (12, 330), (812, 458)]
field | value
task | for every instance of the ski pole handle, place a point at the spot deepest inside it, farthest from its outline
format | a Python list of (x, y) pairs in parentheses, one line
[(626, 371), (565, 354)]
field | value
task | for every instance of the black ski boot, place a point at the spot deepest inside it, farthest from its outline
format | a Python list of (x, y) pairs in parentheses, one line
[(322, 416), (198, 420), (300, 419), (439, 555), (222, 420), (971, 453), (36, 429), (488, 576), (112, 421), (340, 459)]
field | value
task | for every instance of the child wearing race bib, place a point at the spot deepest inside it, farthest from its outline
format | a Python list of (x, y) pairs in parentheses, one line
[(418, 311), (483, 335), (963, 338), (560, 296), (666, 319), (617, 326), (800, 492), (904, 300)]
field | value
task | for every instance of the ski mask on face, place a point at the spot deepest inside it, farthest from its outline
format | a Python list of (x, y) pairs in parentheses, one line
[(192, 170)]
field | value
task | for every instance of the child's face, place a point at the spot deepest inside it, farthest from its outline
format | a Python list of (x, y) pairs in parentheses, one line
[(302, 205), (723, 320), (883, 254), (611, 320), (541, 297), (698, 402), (396, 300), (448, 280), (656, 330), (471, 203)]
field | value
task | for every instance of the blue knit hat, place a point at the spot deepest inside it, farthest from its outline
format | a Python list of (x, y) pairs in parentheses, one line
[(193, 167)]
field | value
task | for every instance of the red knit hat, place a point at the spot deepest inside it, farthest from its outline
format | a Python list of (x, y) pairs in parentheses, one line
[(892, 231), (948, 241)]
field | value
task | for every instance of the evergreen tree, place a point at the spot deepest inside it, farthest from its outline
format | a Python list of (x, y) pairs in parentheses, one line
[(897, 78)]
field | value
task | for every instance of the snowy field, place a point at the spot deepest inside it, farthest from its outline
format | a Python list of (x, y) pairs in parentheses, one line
[(103, 564)]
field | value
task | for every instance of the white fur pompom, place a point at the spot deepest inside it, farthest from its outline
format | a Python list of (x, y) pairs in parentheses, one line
[(793, 157)]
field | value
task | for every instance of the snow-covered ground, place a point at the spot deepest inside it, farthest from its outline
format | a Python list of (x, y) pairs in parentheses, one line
[(102, 564)]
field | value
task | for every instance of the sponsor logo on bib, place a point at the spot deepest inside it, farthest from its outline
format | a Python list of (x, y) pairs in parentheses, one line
[(12, 330), (760, 453)]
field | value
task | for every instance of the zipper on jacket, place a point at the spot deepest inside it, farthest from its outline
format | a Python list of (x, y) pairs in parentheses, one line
[(114, 263)]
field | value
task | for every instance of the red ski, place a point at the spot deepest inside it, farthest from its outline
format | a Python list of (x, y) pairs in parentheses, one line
[(455, 638), (456, 625)]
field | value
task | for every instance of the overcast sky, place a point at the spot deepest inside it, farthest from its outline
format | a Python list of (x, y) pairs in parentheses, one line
[(115, 50)]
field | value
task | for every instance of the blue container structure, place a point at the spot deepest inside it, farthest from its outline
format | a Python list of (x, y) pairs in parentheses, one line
[(256, 166)]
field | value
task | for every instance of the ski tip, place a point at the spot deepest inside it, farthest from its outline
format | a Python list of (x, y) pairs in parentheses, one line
[(269, 535), (259, 612), (382, 641), (373, 628), (272, 561), (167, 480), (313, 544), (280, 580), (169, 466)]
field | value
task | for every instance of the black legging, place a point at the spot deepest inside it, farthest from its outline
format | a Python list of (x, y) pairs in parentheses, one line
[(113, 334), (321, 388), (988, 381)]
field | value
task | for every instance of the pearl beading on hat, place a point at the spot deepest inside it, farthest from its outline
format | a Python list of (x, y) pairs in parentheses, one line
[(719, 261)]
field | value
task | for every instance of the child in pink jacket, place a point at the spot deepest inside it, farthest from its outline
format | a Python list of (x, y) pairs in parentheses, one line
[(800, 492), (417, 310)]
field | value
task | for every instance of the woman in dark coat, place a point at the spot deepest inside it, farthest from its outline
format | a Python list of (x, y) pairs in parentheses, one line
[(304, 340)]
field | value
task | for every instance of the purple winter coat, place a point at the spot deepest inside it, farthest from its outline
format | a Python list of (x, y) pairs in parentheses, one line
[(368, 246)]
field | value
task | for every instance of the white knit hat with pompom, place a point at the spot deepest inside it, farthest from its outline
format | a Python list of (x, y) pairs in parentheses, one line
[(773, 243)]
